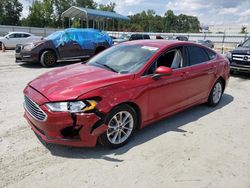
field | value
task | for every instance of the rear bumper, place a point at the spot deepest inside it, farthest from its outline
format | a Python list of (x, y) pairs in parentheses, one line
[(78, 129)]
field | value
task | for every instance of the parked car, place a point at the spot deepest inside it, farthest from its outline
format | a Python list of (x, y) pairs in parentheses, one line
[(127, 37), (69, 44), (240, 57), (13, 38), (124, 88), (180, 38), (207, 43), (124, 37)]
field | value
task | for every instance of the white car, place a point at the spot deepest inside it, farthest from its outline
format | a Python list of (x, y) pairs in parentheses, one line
[(13, 38)]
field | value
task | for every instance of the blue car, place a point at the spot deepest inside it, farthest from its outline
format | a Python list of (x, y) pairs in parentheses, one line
[(69, 44)]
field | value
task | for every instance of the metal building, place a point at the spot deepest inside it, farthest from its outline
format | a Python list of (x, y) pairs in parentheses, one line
[(98, 17)]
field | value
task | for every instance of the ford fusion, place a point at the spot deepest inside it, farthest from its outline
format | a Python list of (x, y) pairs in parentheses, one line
[(123, 89)]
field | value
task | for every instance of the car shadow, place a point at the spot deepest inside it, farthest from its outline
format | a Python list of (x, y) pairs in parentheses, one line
[(173, 123)]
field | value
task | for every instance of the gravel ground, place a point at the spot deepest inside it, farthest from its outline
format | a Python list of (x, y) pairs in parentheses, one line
[(200, 147)]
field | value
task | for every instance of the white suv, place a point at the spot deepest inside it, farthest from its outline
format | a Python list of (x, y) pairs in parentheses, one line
[(13, 38)]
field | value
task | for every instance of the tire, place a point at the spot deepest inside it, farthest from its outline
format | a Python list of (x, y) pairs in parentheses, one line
[(216, 94), (119, 133), (48, 59)]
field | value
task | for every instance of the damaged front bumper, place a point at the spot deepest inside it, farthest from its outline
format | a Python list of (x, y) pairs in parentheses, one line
[(71, 129)]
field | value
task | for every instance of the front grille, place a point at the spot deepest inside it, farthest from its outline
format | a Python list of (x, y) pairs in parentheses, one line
[(18, 48), (241, 59), (34, 110)]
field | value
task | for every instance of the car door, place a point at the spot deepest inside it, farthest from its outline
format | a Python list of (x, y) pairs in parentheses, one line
[(70, 47), (202, 73), (25, 38), (168, 93), (12, 40)]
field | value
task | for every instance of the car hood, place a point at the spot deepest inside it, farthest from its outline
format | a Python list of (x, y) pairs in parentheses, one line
[(241, 50), (1, 38), (70, 82)]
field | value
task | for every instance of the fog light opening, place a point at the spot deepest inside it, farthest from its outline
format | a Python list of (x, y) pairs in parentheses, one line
[(71, 132)]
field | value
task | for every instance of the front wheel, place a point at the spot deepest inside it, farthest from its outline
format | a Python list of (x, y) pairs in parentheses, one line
[(216, 94), (121, 124), (48, 59)]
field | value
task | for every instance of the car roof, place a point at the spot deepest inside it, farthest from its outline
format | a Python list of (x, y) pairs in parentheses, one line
[(158, 43), (17, 32)]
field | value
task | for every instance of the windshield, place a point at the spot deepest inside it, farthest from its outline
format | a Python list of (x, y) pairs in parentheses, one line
[(124, 58), (246, 44), (55, 36)]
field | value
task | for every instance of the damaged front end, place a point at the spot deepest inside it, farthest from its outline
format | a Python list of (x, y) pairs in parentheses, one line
[(60, 127)]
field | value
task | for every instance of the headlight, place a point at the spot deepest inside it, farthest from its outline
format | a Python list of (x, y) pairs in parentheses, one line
[(229, 55), (72, 107), (28, 47)]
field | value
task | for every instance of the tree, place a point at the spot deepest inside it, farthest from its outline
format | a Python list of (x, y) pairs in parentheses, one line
[(60, 7), (41, 14), (243, 30), (10, 12), (86, 4), (108, 7)]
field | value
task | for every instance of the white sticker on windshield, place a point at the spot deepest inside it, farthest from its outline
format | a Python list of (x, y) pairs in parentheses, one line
[(150, 48)]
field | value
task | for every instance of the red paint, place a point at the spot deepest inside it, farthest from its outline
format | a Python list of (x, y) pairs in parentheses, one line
[(155, 98)]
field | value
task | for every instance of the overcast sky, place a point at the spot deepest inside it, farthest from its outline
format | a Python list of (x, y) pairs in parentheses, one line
[(209, 12)]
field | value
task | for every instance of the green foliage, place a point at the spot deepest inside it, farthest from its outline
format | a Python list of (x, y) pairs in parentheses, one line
[(40, 14), (108, 7), (243, 30), (47, 13), (10, 12), (76, 23)]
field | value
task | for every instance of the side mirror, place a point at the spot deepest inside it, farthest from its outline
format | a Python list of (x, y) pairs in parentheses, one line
[(239, 45), (162, 71), (7, 37)]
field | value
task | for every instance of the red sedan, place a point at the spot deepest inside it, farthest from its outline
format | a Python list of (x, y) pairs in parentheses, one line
[(124, 88)]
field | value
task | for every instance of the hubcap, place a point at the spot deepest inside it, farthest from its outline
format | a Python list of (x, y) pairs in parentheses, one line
[(49, 59), (120, 127), (217, 92)]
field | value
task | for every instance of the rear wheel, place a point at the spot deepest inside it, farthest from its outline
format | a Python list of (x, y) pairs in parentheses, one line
[(121, 124), (48, 59), (216, 94)]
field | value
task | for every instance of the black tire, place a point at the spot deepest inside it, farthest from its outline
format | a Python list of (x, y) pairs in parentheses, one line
[(48, 59), (216, 93), (117, 131)]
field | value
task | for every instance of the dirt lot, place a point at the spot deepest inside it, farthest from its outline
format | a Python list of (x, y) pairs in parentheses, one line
[(200, 147)]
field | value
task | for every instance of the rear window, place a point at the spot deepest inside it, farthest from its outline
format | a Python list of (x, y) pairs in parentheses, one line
[(146, 37), (136, 37), (197, 55), (211, 54)]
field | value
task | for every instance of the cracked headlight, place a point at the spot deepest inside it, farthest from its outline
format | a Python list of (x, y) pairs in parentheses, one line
[(72, 107)]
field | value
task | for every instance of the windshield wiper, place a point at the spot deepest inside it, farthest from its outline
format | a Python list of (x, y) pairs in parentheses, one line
[(106, 66), (110, 68)]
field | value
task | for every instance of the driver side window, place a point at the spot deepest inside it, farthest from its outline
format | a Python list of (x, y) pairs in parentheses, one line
[(172, 59)]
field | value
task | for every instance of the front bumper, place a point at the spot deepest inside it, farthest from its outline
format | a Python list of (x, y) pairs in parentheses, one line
[(79, 129), (240, 66), (26, 56)]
